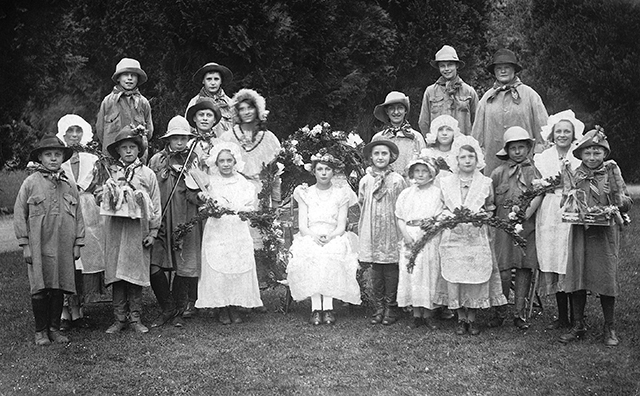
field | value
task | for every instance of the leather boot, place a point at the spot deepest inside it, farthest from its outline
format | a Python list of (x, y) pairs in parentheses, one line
[(161, 289), (390, 315), (577, 332), (136, 324), (609, 335), (56, 302)]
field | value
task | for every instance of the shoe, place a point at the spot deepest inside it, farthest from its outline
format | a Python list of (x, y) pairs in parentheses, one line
[(473, 328), (429, 324), (389, 316), (177, 321), (65, 325), (416, 322), (558, 324), (521, 323), (163, 318), (577, 332), (190, 311), (376, 318), (116, 327), (223, 317), (446, 314), (81, 323), (42, 338), (609, 336), (57, 337), (462, 327), (316, 318), (138, 327), (234, 315), (329, 318)]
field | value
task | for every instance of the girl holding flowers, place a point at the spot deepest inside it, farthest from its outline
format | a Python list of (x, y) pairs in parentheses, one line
[(323, 264)]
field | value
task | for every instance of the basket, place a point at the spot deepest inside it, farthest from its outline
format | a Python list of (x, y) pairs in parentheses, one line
[(590, 219), (126, 210)]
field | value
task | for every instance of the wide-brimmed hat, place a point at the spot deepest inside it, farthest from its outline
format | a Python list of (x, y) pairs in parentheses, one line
[(201, 104), (447, 54), (426, 160), (594, 137), (50, 142), (392, 147), (246, 94), (128, 65), (513, 134), (504, 56), (392, 97), (567, 115), (225, 73), (178, 126), (70, 120), (126, 133)]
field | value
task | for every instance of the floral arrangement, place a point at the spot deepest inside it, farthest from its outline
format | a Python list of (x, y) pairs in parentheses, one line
[(434, 225), (538, 187), (124, 201)]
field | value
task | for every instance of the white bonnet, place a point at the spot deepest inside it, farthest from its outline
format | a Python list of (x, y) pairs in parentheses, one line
[(444, 120), (464, 140), (568, 115), (235, 150), (70, 120)]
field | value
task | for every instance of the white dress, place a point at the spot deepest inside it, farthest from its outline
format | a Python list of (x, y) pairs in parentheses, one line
[(418, 287), (228, 266), (553, 237), (329, 270)]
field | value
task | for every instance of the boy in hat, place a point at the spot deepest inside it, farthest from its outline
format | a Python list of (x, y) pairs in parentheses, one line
[(129, 239), (449, 94), (510, 180), (49, 227), (124, 105), (180, 205), (203, 116), (213, 76), (393, 112), (596, 249), (379, 234)]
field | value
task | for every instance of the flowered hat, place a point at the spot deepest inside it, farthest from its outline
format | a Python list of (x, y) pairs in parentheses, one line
[(366, 151), (447, 54), (128, 65), (504, 56), (567, 115), (50, 142), (424, 159), (210, 67), (70, 120), (323, 157), (201, 104), (234, 149), (254, 97), (594, 137), (392, 97), (513, 134), (178, 126), (127, 133)]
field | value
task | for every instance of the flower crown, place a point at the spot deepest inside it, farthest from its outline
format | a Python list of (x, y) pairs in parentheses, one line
[(324, 157)]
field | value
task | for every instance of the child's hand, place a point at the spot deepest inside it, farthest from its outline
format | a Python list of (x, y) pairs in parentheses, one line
[(26, 253), (203, 196), (76, 252), (408, 240), (148, 241)]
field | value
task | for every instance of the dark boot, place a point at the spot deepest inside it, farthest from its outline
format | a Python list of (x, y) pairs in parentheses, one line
[(523, 282), (578, 331), (56, 302), (161, 289), (180, 295), (390, 315), (377, 292), (609, 334), (192, 295), (40, 304), (562, 321)]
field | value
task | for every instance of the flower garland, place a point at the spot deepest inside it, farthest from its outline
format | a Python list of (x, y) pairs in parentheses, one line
[(434, 225), (538, 187)]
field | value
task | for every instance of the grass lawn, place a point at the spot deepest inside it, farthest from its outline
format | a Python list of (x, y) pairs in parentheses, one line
[(277, 354)]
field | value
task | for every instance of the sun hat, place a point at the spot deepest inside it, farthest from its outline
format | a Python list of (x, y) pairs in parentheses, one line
[(426, 160), (70, 120), (246, 94), (126, 133), (128, 65), (201, 104), (50, 142), (178, 126), (392, 148), (567, 115), (594, 137), (236, 152), (447, 54), (210, 67), (504, 56), (392, 97), (513, 134)]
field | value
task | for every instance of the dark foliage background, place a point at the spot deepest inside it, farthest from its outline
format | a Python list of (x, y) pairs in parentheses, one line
[(331, 60)]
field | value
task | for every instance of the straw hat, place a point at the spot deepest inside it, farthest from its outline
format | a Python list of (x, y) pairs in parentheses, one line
[(50, 142), (447, 54), (128, 65), (210, 67), (392, 97)]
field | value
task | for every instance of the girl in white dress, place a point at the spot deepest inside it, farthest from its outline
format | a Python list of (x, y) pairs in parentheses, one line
[(419, 201), (323, 263), (228, 276)]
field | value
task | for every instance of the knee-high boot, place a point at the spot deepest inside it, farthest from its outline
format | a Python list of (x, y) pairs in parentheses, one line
[(56, 302), (578, 330), (160, 286), (609, 334)]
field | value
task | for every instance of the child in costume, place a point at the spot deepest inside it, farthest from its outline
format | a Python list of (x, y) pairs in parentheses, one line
[(49, 227)]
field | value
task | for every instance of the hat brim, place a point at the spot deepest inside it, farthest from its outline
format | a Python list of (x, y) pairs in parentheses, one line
[(177, 132), (67, 152), (113, 147), (191, 112), (578, 150), (226, 74), (380, 111), (492, 67), (435, 65), (142, 76), (392, 147)]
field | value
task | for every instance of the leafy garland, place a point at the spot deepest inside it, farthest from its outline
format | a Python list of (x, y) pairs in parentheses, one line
[(538, 187)]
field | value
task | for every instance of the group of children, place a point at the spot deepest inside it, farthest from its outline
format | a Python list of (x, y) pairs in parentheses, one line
[(132, 214)]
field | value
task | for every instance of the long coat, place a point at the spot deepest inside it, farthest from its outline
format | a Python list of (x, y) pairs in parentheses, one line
[(117, 111), (461, 105)]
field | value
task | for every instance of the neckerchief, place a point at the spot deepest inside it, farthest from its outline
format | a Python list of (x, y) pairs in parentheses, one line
[(129, 170), (591, 175), (133, 94), (512, 88), (516, 169), (404, 130), (218, 97), (452, 86), (55, 177), (378, 183)]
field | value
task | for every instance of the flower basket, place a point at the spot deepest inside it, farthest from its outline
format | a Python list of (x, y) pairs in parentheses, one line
[(591, 219)]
